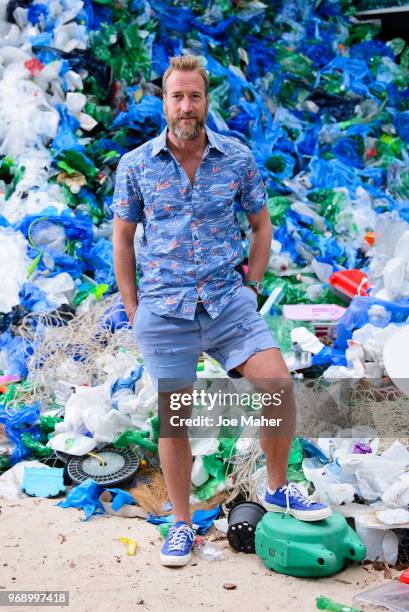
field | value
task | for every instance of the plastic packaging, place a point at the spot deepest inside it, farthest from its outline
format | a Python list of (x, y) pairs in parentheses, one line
[(381, 544), (207, 551), (393, 595)]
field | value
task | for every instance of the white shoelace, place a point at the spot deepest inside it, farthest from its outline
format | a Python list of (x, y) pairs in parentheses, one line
[(291, 489), (178, 537)]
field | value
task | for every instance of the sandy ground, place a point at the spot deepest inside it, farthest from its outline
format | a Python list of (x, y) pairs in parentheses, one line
[(47, 547)]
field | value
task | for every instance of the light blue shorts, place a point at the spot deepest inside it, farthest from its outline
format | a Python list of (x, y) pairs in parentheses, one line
[(171, 346)]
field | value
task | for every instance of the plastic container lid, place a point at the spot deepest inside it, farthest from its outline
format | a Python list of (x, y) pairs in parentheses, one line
[(349, 282)]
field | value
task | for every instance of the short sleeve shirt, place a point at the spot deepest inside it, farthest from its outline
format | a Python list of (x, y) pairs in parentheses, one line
[(191, 239)]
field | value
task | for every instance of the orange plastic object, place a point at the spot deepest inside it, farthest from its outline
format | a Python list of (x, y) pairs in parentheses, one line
[(370, 238), (404, 577), (349, 283)]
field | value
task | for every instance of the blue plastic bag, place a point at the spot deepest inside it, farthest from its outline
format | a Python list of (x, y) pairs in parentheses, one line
[(86, 497)]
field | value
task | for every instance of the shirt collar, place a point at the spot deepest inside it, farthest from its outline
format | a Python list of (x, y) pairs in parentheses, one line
[(214, 139)]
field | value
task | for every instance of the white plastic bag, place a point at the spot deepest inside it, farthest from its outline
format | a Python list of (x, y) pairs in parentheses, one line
[(381, 544), (15, 263)]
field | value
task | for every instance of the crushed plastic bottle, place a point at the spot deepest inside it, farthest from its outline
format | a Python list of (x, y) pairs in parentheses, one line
[(207, 551)]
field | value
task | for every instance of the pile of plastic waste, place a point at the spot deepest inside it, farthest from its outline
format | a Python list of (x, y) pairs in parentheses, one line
[(324, 106)]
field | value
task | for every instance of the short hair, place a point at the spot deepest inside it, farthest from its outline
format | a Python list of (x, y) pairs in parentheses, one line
[(186, 63)]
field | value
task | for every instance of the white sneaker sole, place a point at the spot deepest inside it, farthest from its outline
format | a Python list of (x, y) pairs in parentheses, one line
[(301, 515), (174, 560)]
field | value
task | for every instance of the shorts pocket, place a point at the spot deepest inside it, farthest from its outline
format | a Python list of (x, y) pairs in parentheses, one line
[(135, 325), (253, 293)]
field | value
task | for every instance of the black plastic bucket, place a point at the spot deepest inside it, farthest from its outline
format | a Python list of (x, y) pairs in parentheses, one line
[(243, 519)]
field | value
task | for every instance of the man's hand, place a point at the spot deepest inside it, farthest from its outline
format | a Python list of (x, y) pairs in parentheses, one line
[(130, 311), (125, 265), (260, 244)]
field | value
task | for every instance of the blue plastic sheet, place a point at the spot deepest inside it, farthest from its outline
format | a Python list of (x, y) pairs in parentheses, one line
[(203, 518), (357, 315)]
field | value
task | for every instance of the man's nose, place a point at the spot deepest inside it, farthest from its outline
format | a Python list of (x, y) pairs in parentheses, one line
[(186, 105)]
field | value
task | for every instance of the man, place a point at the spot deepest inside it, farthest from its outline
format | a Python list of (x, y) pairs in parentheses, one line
[(183, 186)]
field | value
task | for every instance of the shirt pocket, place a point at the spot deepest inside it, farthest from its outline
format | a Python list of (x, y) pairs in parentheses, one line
[(219, 193), (166, 198)]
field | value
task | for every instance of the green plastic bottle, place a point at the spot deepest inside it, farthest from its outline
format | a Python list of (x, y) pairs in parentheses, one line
[(324, 603)]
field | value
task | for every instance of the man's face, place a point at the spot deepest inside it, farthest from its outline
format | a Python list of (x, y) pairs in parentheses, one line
[(185, 104)]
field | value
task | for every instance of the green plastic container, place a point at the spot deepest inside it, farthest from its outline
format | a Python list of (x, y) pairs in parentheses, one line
[(298, 548)]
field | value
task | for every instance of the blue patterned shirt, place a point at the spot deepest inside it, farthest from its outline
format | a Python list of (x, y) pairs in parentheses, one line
[(191, 241)]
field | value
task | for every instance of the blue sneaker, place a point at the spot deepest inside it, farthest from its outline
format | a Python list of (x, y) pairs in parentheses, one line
[(178, 545), (290, 500)]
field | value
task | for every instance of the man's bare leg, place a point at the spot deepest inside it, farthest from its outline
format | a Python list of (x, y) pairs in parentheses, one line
[(176, 462), (268, 369)]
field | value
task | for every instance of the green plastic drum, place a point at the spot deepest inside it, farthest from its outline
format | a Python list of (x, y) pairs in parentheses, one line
[(298, 548)]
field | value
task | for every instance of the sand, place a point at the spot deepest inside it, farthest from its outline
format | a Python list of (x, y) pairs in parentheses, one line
[(47, 547)]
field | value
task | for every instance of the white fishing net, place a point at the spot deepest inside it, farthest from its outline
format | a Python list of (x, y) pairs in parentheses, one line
[(67, 349)]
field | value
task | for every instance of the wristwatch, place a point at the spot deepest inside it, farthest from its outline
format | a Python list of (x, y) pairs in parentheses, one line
[(254, 285)]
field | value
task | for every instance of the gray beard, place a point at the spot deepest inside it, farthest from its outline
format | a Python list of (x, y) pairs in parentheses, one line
[(188, 133)]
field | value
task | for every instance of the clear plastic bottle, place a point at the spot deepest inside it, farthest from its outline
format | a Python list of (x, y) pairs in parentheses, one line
[(207, 551)]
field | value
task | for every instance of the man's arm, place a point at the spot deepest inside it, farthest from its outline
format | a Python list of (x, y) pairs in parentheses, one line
[(260, 244), (125, 264), (252, 200)]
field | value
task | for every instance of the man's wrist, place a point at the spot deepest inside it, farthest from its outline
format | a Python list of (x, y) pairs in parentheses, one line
[(255, 285)]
